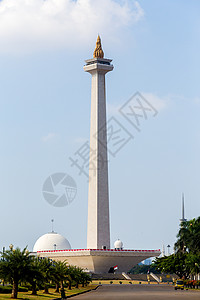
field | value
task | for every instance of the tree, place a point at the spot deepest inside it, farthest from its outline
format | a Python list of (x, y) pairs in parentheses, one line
[(14, 267), (70, 276), (189, 237), (77, 275), (85, 279), (47, 270), (35, 276), (192, 263), (143, 269), (59, 273), (186, 259), (174, 263), (19, 266)]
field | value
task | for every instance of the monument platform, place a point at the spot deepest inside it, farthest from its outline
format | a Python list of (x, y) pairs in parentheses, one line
[(99, 261)]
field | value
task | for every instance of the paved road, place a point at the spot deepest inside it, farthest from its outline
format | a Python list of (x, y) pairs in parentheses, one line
[(138, 292)]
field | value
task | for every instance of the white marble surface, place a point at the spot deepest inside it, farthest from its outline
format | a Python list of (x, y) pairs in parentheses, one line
[(98, 232)]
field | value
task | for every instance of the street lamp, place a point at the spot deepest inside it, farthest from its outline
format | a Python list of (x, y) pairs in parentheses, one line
[(3, 283), (168, 247)]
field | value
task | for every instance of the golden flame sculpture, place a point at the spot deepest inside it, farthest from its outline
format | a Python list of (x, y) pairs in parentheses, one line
[(98, 52)]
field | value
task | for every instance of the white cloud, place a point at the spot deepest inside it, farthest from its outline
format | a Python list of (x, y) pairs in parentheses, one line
[(48, 137), (169, 100), (80, 140), (197, 100), (159, 103), (113, 109), (27, 25)]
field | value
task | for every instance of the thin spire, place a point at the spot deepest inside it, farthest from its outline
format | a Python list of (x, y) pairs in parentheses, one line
[(163, 251), (98, 52), (52, 220), (183, 210)]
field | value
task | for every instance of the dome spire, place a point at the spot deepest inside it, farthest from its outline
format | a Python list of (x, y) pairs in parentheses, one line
[(52, 220), (98, 52)]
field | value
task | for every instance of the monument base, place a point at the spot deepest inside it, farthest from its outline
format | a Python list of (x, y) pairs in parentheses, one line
[(100, 261)]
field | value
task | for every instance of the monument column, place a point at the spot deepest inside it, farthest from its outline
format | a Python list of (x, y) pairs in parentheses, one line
[(98, 231)]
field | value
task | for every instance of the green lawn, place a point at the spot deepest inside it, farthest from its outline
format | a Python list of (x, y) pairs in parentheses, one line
[(51, 295)]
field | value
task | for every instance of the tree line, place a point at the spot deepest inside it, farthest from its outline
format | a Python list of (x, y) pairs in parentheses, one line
[(185, 262), (20, 267)]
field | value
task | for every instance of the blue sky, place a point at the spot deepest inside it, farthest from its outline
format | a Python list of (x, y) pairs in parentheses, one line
[(45, 115)]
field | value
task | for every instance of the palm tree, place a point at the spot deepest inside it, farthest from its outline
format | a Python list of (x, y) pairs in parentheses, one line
[(192, 263), (59, 273), (14, 267), (77, 275), (183, 237), (70, 276), (189, 237), (85, 279), (47, 269), (35, 276), (186, 259)]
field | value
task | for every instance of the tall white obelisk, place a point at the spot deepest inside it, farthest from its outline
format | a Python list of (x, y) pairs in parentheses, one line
[(98, 231)]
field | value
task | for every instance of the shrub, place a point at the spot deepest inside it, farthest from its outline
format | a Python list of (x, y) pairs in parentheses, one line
[(8, 289), (22, 289), (120, 282), (192, 283), (111, 282), (5, 289)]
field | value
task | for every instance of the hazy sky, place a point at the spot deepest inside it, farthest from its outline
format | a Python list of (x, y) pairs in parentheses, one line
[(45, 115)]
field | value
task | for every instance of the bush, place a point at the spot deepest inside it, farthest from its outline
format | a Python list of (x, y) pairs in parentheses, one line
[(192, 284), (22, 289), (120, 282), (51, 285), (111, 282), (8, 289), (5, 289), (27, 286)]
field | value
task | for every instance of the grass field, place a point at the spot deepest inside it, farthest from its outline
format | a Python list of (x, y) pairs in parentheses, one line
[(51, 295)]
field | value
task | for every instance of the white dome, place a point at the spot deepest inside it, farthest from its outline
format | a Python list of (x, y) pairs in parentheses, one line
[(118, 244), (51, 241)]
